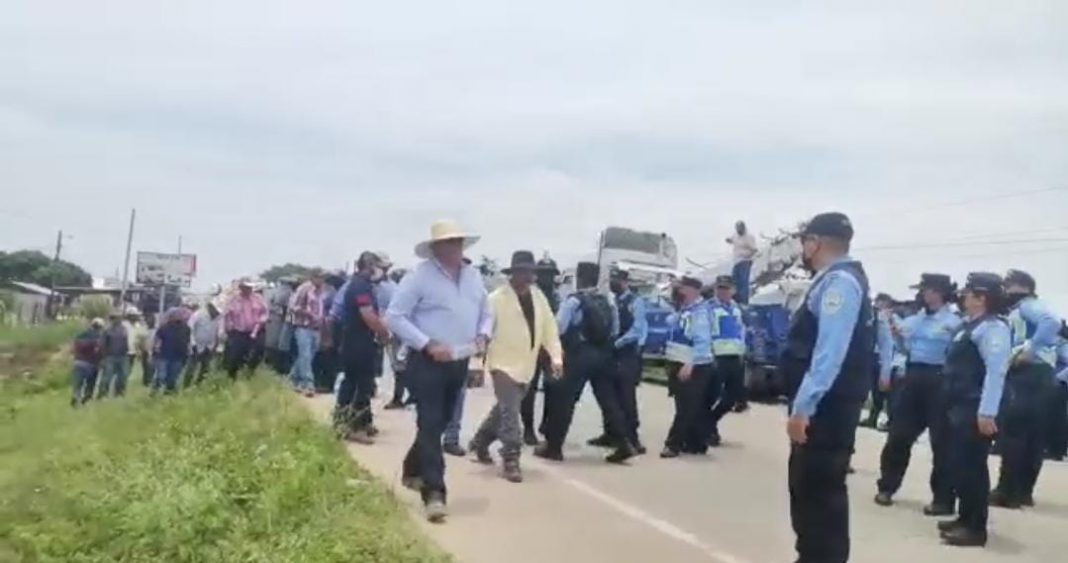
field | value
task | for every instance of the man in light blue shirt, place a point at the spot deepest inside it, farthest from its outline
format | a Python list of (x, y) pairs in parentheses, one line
[(634, 329), (588, 322), (827, 365), (728, 346), (884, 350), (1057, 448), (1031, 382), (925, 337), (691, 375), (441, 312)]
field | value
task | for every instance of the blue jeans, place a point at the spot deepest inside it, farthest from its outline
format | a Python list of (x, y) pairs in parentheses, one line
[(115, 368), (166, 376), (307, 344), (452, 429), (81, 381), (741, 280)]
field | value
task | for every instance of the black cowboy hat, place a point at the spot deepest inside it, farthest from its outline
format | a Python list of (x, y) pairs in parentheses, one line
[(521, 260)]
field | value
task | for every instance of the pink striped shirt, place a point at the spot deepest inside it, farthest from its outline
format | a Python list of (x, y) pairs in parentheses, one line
[(245, 314), (306, 306)]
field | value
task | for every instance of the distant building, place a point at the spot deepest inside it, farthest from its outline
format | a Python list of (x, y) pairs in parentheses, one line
[(30, 303)]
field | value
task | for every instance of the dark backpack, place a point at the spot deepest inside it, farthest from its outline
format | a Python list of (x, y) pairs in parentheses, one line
[(596, 325)]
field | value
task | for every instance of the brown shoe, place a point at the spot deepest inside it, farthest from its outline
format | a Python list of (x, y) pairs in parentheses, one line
[(511, 472)]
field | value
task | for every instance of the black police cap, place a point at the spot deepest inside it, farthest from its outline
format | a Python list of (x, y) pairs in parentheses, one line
[(935, 281), (983, 282), (1020, 277), (724, 281), (618, 274), (831, 224), (690, 281)]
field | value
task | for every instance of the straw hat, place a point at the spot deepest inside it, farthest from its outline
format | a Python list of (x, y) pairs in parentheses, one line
[(444, 230)]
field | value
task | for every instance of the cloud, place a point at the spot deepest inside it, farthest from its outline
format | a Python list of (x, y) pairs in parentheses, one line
[(265, 132)]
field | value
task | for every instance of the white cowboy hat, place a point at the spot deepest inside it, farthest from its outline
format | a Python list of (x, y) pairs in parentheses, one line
[(444, 230)]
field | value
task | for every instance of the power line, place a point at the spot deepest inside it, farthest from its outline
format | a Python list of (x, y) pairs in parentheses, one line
[(912, 246), (966, 201)]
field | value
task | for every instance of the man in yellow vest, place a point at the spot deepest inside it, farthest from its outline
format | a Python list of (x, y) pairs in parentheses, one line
[(523, 325)]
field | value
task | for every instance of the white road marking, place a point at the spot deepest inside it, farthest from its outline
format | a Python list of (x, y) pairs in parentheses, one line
[(639, 515)]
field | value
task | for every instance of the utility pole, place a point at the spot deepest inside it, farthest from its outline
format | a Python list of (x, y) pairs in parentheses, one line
[(55, 266), (126, 261)]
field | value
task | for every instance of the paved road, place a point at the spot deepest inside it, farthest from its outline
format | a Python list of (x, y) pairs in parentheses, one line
[(728, 507)]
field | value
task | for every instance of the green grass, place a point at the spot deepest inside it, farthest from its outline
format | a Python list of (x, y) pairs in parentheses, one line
[(222, 473)]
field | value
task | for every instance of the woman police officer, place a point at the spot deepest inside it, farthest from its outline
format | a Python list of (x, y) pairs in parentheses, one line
[(973, 380)]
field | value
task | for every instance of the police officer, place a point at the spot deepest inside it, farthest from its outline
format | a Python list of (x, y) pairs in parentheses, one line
[(634, 328), (827, 365), (545, 280), (589, 322), (728, 347), (973, 378), (1057, 443), (1030, 383), (925, 337), (884, 360), (690, 371)]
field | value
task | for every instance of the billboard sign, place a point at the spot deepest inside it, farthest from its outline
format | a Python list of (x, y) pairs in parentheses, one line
[(158, 268)]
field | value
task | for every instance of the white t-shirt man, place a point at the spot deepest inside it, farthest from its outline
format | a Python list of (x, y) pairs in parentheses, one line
[(743, 247)]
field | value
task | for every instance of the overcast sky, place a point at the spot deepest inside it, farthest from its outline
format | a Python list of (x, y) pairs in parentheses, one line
[(270, 131)]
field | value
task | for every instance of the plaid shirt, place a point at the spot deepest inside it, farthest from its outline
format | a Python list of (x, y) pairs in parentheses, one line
[(306, 306), (245, 314)]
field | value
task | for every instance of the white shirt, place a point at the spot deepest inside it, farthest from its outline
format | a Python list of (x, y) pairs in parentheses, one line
[(744, 246)]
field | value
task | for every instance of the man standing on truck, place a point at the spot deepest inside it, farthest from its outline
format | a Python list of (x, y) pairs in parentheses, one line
[(728, 347), (827, 366), (744, 248)]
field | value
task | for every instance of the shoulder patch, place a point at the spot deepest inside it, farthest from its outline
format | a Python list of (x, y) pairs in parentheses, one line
[(832, 301)]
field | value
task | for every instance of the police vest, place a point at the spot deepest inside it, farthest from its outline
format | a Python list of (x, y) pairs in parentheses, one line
[(728, 330), (679, 347), (854, 379), (1023, 330), (963, 374), (625, 303)]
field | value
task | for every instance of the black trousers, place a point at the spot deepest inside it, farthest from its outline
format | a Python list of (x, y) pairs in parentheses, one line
[(435, 386), (238, 352), (689, 428), (399, 385), (1057, 427), (1022, 428), (879, 398), (325, 369), (148, 368), (628, 378), (356, 389), (197, 367), (730, 371), (967, 462), (918, 406), (526, 407), (584, 363), (819, 498)]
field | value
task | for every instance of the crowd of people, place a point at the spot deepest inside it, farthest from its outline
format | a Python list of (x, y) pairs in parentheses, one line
[(970, 366)]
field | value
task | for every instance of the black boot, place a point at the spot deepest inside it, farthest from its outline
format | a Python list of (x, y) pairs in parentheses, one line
[(949, 525), (938, 510), (963, 537), (530, 438), (545, 451), (602, 441)]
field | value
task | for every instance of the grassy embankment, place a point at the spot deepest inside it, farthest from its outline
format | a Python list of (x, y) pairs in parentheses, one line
[(222, 473)]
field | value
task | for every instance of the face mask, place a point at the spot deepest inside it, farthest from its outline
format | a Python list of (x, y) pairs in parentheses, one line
[(806, 263), (1011, 299)]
